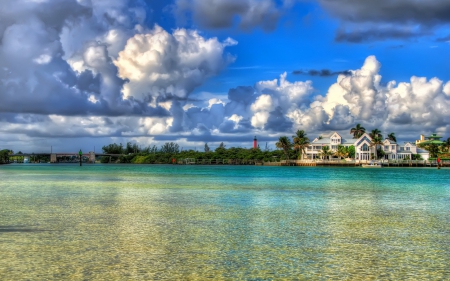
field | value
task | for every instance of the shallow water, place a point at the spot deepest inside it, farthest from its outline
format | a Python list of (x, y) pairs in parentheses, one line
[(149, 222)]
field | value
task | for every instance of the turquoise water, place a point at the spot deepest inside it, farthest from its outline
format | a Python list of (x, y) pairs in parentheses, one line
[(149, 222)]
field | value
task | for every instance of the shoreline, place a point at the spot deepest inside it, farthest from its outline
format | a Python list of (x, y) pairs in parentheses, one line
[(268, 164)]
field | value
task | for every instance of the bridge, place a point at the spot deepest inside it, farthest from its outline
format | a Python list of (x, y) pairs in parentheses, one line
[(54, 155)]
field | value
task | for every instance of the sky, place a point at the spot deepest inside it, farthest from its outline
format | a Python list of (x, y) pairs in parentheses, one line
[(81, 74)]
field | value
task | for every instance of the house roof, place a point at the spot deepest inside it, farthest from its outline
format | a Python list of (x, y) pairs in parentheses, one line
[(322, 141), (389, 141), (348, 141), (336, 134), (327, 140)]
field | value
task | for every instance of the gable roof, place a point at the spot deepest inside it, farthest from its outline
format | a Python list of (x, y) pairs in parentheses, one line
[(389, 141), (335, 133), (364, 138), (322, 141)]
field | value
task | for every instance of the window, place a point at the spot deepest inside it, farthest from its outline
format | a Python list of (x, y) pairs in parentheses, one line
[(386, 147), (408, 148), (334, 147), (365, 147), (393, 147), (363, 139)]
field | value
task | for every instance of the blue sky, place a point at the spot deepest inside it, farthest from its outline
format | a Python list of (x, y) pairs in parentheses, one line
[(91, 72)]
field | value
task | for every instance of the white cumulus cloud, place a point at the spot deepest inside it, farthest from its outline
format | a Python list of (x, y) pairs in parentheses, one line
[(161, 64)]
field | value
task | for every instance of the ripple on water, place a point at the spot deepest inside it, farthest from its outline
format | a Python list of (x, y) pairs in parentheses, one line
[(254, 223)]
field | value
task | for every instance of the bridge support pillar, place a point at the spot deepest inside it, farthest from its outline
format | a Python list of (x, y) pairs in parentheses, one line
[(53, 158), (91, 157)]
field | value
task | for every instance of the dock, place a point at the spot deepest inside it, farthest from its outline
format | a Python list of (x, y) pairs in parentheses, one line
[(314, 163)]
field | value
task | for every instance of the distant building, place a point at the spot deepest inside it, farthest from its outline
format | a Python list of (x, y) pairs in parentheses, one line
[(422, 139), (364, 149)]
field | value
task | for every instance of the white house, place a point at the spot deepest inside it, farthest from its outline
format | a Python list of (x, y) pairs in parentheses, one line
[(394, 151), (364, 148), (333, 141)]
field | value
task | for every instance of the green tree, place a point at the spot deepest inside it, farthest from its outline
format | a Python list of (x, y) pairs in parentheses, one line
[(170, 147), (380, 152), (376, 141), (113, 149), (351, 151), (325, 152), (432, 148), (375, 133), (131, 148), (391, 136), (357, 131), (301, 142), (417, 157), (4, 155), (221, 148), (446, 145), (206, 147), (341, 152), (285, 144)]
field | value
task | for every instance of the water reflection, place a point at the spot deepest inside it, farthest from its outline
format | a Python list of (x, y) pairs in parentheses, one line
[(150, 222)]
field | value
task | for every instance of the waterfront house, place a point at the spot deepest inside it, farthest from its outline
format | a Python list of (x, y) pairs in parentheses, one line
[(394, 151), (364, 150)]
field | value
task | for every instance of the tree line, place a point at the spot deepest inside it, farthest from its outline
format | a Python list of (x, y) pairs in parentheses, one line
[(165, 154), (287, 148), (5, 155)]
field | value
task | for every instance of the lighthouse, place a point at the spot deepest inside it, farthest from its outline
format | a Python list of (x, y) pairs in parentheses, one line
[(255, 143)]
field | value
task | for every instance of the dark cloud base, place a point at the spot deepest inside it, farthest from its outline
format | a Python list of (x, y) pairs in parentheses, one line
[(321, 73)]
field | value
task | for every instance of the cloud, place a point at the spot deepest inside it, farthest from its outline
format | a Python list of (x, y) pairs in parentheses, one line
[(78, 58), (431, 12), (369, 33), (387, 19), (443, 39), (247, 14), (161, 64), (321, 73), (268, 109), (280, 107)]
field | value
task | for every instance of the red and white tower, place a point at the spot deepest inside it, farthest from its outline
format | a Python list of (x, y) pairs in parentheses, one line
[(255, 143)]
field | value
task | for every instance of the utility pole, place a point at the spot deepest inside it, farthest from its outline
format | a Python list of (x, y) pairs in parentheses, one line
[(81, 154)]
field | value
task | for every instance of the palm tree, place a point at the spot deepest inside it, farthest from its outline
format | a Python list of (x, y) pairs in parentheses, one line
[(358, 131), (375, 133), (285, 144), (325, 152), (391, 136), (301, 142), (376, 141), (341, 152)]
